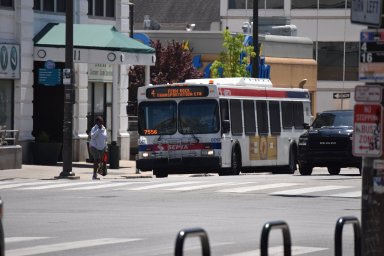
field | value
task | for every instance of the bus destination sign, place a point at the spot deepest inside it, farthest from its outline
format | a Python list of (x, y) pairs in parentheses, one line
[(176, 92)]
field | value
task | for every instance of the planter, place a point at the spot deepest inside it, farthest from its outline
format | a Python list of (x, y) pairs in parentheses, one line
[(46, 153)]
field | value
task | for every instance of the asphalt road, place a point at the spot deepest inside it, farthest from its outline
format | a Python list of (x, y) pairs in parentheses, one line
[(143, 216)]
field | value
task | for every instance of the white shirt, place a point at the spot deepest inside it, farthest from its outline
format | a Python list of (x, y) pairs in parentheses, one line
[(98, 137)]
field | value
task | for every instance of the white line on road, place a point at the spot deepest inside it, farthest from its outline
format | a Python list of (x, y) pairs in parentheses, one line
[(256, 187), (301, 191), (57, 185), (162, 185), (196, 187), (49, 248), (107, 185), (16, 239), (16, 185), (279, 250), (353, 194)]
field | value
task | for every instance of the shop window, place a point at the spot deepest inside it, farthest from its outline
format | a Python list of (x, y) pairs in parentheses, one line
[(6, 104), (323, 4), (58, 6), (262, 4), (101, 8), (6, 3)]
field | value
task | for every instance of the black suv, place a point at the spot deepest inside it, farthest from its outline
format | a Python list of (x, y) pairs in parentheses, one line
[(328, 143)]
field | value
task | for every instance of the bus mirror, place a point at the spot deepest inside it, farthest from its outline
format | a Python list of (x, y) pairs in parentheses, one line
[(225, 125)]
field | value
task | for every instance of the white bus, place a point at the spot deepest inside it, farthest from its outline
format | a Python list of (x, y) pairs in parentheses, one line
[(223, 125)]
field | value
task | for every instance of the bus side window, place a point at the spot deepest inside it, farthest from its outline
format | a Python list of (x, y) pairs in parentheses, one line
[(249, 117), (274, 117), (236, 117), (287, 114), (224, 112), (298, 114), (262, 116)]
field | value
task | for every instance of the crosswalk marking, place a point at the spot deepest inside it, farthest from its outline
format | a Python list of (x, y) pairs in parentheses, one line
[(196, 187), (23, 239), (226, 187), (353, 194), (50, 248), (162, 185), (279, 250), (16, 185), (256, 187), (107, 185), (301, 191), (57, 185)]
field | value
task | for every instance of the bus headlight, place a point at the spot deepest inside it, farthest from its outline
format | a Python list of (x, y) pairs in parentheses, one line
[(207, 152)]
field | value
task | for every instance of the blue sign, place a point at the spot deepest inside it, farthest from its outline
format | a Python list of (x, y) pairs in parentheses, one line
[(49, 77)]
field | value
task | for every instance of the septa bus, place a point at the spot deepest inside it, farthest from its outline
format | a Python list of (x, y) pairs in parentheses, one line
[(222, 125)]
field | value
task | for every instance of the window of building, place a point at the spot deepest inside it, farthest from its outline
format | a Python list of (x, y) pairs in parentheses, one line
[(236, 117), (101, 8), (50, 5), (323, 4), (262, 116), (274, 115), (6, 104), (249, 117), (330, 61), (262, 4), (6, 3)]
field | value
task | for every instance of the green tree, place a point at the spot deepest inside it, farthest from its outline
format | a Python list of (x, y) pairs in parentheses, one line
[(173, 64), (229, 63)]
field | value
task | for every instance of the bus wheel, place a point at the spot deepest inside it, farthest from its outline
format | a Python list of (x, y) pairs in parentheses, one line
[(235, 163), (334, 170), (160, 173), (305, 169), (291, 167)]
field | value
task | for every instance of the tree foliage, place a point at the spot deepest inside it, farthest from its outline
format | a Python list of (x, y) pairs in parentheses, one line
[(173, 64), (233, 61)]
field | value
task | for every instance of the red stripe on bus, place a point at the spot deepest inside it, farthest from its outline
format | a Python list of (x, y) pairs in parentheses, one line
[(252, 93)]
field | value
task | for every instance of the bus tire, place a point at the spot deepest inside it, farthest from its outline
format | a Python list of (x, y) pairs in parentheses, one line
[(292, 161), (235, 165), (305, 170), (159, 173), (334, 170)]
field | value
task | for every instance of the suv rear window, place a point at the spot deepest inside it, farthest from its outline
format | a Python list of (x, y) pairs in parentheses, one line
[(332, 119)]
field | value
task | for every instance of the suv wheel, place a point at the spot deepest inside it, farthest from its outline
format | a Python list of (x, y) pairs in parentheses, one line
[(305, 169), (334, 170)]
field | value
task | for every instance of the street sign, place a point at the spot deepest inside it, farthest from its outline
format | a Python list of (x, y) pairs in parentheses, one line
[(370, 93), (371, 68), (367, 135), (366, 12), (341, 95)]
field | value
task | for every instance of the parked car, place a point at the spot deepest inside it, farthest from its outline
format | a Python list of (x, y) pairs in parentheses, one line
[(328, 143)]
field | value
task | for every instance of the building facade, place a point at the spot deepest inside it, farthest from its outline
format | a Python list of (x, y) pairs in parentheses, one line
[(31, 106), (327, 23)]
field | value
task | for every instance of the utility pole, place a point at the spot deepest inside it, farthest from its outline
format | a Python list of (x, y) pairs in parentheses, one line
[(68, 94), (371, 46), (255, 39)]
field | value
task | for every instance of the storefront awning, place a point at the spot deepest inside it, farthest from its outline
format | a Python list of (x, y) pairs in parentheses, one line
[(97, 44)]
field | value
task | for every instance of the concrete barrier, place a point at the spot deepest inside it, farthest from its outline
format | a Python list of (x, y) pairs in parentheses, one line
[(11, 157)]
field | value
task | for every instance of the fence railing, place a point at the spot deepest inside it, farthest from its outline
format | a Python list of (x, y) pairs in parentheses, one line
[(9, 137)]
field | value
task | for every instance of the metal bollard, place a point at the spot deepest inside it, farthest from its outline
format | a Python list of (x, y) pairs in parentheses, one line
[(265, 235), (339, 233), (192, 232)]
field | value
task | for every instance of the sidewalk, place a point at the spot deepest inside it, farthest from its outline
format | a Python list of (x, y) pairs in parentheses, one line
[(82, 171)]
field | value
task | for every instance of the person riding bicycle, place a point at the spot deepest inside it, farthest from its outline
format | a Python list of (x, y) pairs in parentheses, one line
[(97, 144)]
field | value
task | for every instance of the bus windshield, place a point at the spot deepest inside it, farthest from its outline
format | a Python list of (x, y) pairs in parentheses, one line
[(198, 116), (157, 118), (194, 117)]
